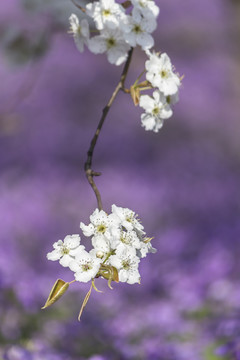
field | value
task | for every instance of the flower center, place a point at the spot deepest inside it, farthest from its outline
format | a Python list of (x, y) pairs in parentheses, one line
[(79, 30), (101, 228), (126, 264), (137, 29), (106, 12), (65, 250), (86, 267), (124, 239), (164, 74), (155, 111), (111, 42)]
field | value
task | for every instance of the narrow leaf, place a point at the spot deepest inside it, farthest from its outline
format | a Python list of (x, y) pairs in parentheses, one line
[(94, 286), (115, 274), (85, 302), (135, 94), (58, 289)]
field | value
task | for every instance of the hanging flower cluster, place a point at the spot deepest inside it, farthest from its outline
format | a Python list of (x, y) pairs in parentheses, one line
[(118, 243), (121, 27), (118, 239)]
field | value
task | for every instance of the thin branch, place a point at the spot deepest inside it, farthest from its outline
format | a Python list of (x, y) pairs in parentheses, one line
[(78, 6), (88, 164)]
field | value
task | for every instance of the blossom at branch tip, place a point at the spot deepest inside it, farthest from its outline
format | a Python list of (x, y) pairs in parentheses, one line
[(128, 219), (137, 30), (118, 244), (160, 73), (80, 31), (156, 109), (100, 225), (126, 262), (85, 266), (66, 250), (105, 14), (112, 42), (148, 8), (145, 248)]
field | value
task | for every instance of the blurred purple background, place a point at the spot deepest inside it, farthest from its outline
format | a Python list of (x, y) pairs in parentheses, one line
[(183, 182)]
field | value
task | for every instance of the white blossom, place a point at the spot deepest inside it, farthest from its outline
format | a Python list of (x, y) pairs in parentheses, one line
[(85, 266), (129, 238), (101, 244), (156, 109), (126, 262), (160, 73), (112, 42), (137, 30), (145, 248), (148, 9), (66, 250), (128, 218), (80, 31), (105, 13), (101, 225)]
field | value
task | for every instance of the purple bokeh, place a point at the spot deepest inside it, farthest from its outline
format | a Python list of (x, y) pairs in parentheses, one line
[(183, 182)]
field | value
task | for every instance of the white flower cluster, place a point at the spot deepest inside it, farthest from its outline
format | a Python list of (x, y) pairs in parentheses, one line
[(160, 74), (118, 29), (124, 26), (118, 241)]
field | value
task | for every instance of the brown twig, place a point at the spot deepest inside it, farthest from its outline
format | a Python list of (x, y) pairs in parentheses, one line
[(78, 6), (88, 164)]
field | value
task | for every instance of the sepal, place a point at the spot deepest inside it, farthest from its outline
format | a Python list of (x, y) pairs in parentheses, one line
[(58, 289)]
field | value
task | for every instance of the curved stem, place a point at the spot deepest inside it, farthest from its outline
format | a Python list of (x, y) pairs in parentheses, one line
[(88, 164), (78, 6)]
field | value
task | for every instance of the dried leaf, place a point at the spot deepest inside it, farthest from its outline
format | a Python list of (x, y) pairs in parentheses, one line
[(115, 274), (94, 286), (85, 302), (135, 94), (58, 289)]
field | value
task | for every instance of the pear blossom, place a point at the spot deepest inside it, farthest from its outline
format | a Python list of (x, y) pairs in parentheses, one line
[(100, 225), (66, 250), (137, 30), (130, 238), (148, 8), (118, 240), (105, 13), (145, 248), (156, 109), (85, 266), (128, 218), (126, 262), (160, 73), (111, 42), (80, 31)]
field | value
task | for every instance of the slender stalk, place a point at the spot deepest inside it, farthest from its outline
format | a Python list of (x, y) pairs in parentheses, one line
[(88, 164), (78, 6)]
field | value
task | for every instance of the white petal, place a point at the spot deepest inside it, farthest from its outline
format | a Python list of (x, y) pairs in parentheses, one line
[(77, 250), (88, 230), (65, 260), (97, 45), (72, 241), (54, 255), (147, 103)]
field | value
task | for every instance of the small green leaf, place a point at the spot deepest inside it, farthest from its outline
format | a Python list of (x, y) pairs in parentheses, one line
[(58, 289)]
